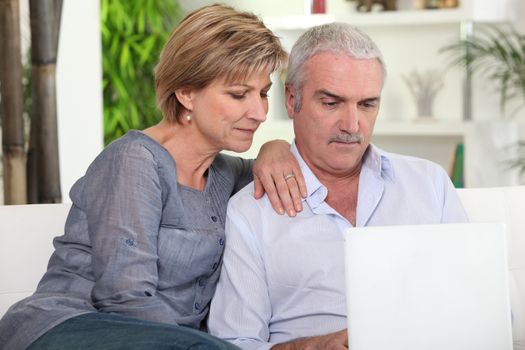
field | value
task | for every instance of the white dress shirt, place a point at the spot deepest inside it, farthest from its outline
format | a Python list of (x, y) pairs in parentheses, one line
[(283, 277)]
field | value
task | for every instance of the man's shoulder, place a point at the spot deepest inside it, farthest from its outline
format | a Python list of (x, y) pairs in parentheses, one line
[(245, 198), (418, 176), (401, 163), (244, 194)]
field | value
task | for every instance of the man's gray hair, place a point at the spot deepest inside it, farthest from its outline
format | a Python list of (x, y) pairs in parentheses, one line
[(337, 38)]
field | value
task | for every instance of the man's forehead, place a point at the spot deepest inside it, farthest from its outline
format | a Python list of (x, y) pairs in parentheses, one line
[(323, 56), (342, 66), (328, 78)]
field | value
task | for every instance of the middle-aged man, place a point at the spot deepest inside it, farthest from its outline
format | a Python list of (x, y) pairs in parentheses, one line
[(282, 283)]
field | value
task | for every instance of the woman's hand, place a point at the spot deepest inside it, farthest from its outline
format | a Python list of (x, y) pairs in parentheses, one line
[(277, 173)]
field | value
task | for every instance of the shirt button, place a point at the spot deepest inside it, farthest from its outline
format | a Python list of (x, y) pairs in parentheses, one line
[(214, 218), (197, 306), (201, 283), (221, 241)]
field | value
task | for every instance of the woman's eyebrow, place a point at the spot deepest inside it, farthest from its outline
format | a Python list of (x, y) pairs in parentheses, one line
[(249, 86)]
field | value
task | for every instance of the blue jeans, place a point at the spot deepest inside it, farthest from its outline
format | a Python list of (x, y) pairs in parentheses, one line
[(101, 331)]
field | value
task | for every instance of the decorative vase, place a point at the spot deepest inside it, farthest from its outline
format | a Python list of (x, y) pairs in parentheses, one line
[(419, 4)]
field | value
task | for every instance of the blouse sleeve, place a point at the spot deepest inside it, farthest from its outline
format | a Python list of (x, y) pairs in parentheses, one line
[(122, 200)]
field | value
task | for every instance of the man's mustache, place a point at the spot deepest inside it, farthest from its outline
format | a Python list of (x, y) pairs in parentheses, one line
[(346, 138)]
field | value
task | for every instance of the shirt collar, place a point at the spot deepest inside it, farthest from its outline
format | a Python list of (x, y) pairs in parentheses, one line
[(378, 162), (375, 160), (316, 191)]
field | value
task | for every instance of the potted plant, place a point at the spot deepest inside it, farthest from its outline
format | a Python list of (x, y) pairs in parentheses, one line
[(498, 54)]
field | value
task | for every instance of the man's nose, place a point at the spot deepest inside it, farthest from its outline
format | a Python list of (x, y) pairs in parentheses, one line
[(350, 120)]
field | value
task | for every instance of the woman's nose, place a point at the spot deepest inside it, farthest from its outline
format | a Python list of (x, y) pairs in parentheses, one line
[(259, 109)]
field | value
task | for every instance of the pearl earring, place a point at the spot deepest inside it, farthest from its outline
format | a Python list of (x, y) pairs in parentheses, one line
[(188, 117)]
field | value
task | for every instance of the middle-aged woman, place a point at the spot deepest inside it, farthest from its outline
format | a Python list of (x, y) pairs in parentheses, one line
[(143, 243)]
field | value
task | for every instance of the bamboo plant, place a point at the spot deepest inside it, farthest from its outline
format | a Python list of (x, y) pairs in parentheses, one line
[(133, 33), (13, 158)]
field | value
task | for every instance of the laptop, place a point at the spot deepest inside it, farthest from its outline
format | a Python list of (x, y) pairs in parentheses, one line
[(426, 287)]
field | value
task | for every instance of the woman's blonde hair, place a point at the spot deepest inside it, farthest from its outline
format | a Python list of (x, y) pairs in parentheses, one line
[(213, 42)]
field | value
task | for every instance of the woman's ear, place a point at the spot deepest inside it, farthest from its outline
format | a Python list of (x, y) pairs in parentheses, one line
[(185, 97)]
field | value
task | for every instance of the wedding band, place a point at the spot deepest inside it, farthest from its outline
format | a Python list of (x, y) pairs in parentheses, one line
[(289, 176)]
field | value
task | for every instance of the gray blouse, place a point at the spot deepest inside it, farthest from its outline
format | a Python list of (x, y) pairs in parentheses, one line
[(136, 243)]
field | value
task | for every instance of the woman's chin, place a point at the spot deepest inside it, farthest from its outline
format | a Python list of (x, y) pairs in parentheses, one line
[(240, 147)]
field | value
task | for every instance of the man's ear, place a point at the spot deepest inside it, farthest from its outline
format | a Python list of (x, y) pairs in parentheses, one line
[(289, 102), (185, 97)]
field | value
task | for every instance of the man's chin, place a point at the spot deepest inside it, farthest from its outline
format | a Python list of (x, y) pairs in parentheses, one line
[(346, 163)]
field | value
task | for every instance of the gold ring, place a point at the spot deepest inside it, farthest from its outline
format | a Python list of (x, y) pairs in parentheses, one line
[(289, 176)]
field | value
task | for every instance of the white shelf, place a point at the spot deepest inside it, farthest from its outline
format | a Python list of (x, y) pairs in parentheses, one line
[(474, 10), (407, 17), (391, 18), (279, 23), (420, 128)]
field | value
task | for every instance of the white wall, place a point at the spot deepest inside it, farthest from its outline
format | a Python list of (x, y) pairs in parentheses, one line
[(260, 8), (79, 90)]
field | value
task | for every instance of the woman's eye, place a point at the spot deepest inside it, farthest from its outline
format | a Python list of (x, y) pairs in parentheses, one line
[(237, 96)]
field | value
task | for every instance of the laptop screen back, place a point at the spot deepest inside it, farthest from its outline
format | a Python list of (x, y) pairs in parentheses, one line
[(428, 287)]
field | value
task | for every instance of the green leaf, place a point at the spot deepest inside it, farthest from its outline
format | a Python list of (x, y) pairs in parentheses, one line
[(496, 54), (124, 55), (133, 33)]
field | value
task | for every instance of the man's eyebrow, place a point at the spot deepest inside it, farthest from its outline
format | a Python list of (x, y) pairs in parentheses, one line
[(324, 92), (371, 99)]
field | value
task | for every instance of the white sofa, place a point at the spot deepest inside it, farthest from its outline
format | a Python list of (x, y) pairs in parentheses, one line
[(507, 205), (26, 234)]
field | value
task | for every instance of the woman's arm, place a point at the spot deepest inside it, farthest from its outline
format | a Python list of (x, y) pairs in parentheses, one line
[(277, 172), (122, 201)]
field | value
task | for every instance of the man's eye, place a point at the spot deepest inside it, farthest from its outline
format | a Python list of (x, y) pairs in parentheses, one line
[(264, 94), (330, 103), (368, 104)]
